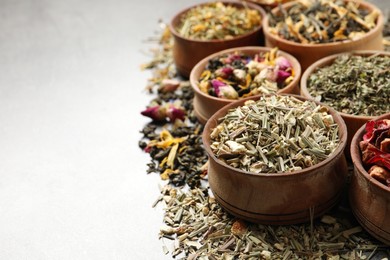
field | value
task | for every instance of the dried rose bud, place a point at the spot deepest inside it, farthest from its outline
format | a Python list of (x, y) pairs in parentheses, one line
[(168, 85), (216, 85), (156, 113), (224, 72), (282, 76), (227, 92), (232, 57), (283, 63), (239, 74), (174, 113)]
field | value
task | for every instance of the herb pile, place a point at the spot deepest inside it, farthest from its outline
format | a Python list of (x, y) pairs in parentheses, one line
[(322, 21), (354, 84), (238, 75), (218, 21), (195, 226), (275, 134)]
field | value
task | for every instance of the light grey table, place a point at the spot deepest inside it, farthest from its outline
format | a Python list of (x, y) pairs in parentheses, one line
[(73, 182)]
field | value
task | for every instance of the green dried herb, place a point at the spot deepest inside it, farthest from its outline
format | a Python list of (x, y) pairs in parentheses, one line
[(218, 21), (322, 21), (275, 134), (354, 84)]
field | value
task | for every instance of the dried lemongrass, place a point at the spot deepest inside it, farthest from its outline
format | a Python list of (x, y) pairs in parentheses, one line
[(275, 134), (218, 234)]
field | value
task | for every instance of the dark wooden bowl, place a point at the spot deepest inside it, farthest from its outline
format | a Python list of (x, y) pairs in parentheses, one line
[(206, 105), (369, 199), (309, 53), (187, 52), (282, 198)]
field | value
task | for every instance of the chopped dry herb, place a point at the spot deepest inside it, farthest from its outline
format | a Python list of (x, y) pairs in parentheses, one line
[(322, 21), (275, 134), (218, 21), (354, 84)]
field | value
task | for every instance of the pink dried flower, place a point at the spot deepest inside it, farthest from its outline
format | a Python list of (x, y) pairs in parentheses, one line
[(156, 113), (174, 113), (224, 72), (283, 63), (216, 85), (282, 76)]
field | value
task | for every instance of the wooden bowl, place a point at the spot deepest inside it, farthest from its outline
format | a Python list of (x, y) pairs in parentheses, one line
[(206, 105), (353, 122), (282, 198), (309, 53), (187, 52), (369, 199)]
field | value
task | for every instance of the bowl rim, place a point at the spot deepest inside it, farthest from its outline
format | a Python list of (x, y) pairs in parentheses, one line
[(357, 157), (324, 62), (172, 24), (194, 81), (366, 5), (309, 170)]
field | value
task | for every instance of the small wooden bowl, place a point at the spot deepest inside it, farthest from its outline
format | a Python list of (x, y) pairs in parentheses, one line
[(353, 122), (309, 53), (278, 199), (187, 52), (206, 105), (369, 199)]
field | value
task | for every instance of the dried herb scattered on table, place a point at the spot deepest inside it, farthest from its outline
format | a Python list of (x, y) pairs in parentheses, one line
[(375, 148), (238, 75), (354, 84), (196, 227), (218, 21), (275, 134), (323, 21)]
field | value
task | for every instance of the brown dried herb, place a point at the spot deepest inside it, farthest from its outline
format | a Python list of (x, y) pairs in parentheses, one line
[(217, 21), (322, 21)]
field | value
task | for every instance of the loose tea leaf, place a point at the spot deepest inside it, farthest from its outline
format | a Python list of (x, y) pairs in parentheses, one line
[(238, 75), (354, 84), (218, 21), (275, 134), (322, 21), (218, 235)]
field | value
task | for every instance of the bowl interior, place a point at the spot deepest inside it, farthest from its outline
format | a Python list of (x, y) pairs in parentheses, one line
[(288, 5), (326, 61), (176, 20), (357, 157), (249, 50), (213, 122)]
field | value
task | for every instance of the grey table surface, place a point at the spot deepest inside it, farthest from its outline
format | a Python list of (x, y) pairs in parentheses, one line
[(73, 182)]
